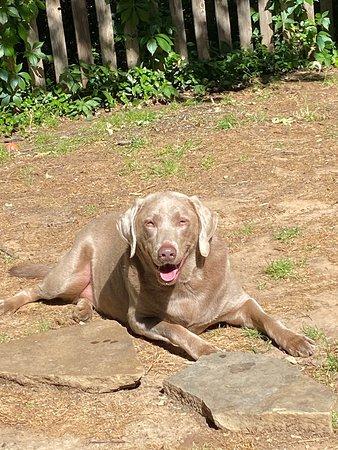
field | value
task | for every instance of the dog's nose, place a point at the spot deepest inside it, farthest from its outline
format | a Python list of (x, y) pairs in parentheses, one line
[(167, 253)]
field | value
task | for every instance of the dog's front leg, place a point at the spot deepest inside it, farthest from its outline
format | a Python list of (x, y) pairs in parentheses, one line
[(175, 334), (250, 314)]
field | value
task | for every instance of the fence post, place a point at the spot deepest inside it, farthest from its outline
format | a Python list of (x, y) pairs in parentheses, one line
[(57, 37), (310, 10), (201, 31), (106, 33), (265, 23), (83, 44), (132, 47), (223, 24), (244, 23), (176, 11), (37, 72)]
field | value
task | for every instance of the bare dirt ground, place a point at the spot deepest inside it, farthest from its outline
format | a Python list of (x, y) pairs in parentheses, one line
[(264, 158)]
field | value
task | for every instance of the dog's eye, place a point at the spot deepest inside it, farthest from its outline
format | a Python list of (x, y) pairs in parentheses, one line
[(149, 223), (183, 222)]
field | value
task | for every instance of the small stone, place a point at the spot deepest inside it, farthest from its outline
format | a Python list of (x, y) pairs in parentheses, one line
[(96, 357), (242, 391)]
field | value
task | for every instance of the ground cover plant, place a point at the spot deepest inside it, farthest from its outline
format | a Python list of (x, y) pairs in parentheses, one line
[(162, 75), (273, 187)]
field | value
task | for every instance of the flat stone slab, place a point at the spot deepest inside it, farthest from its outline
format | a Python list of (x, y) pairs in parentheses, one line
[(243, 391), (95, 357)]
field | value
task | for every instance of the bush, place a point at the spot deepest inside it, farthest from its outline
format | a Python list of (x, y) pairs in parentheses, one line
[(298, 43)]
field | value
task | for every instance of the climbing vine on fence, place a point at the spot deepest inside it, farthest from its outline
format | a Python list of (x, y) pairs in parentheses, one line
[(15, 18)]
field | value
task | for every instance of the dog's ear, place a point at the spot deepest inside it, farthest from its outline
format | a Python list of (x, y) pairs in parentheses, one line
[(126, 225), (208, 224)]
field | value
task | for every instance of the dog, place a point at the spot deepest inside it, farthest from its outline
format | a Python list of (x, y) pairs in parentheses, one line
[(160, 269)]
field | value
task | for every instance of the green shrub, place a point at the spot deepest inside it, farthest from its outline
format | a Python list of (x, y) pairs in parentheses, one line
[(298, 43)]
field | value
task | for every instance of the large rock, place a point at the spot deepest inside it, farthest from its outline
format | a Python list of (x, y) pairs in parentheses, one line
[(96, 357), (244, 391)]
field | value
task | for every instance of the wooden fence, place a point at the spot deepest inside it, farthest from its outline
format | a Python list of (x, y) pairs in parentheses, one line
[(106, 31)]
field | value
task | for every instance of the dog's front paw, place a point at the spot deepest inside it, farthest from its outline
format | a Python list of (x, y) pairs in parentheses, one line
[(298, 345), (206, 349), (83, 311)]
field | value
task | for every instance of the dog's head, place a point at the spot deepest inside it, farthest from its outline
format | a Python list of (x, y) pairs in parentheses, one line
[(165, 229)]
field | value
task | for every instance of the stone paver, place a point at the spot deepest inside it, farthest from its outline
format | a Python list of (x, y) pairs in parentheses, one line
[(244, 391), (95, 357)]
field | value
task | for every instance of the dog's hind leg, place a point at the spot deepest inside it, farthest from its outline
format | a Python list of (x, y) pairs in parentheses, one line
[(69, 280)]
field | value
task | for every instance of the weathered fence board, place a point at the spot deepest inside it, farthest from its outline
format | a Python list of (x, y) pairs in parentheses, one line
[(81, 24), (265, 23), (57, 37), (176, 12), (201, 30), (37, 73), (132, 47), (244, 23), (106, 33), (223, 24), (310, 10)]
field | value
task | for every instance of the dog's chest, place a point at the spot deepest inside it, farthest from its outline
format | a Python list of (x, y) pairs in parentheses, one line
[(190, 309)]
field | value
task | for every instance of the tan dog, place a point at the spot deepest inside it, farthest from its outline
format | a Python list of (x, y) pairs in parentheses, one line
[(160, 269)]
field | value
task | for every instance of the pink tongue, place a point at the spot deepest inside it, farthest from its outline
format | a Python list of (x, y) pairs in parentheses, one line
[(169, 276)]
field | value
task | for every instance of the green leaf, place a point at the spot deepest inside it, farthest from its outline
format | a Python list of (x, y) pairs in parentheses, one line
[(17, 99), (4, 75), (3, 18), (152, 45), (14, 83), (33, 60), (12, 11), (5, 100), (9, 51), (163, 43), (23, 32)]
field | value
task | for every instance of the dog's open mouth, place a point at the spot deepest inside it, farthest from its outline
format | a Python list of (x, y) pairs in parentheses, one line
[(169, 272)]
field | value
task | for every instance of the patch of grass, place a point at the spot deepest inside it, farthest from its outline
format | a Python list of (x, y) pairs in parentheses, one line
[(285, 234), (90, 210), (58, 145), (4, 154), (130, 164), (331, 363), (258, 117), (227, 100), (243, 158), (133, 116), (208, 162), (334, 419), (262, 285), (252, 333), (43, 326), (313, 332), (280, 268), (306, 114), (246, 230), (137, 143), (229, 121), (331, 80), (27, 174), (169, 159), (166, 168), (283, 120), (4, 338)]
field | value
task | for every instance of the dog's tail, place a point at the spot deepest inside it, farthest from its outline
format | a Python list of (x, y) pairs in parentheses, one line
[(28, 270)]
